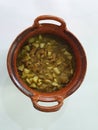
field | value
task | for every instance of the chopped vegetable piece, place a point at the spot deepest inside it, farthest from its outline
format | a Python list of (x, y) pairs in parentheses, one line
[(56, 70), (21, 67), (33, 85), (27, 48), (42, 45), (31, 40), (55, 84), (26, 70), (35, 78), (49, 53)]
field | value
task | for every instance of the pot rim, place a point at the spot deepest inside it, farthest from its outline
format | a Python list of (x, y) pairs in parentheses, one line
[(19, 83)]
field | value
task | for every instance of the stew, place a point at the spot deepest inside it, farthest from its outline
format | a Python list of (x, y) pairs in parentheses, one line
[(45, 63)]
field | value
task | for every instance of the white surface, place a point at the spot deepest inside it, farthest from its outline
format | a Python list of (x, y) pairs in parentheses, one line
[(80, 111)]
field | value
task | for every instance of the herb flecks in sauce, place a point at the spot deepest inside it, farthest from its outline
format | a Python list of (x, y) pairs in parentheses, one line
[(45, 63)]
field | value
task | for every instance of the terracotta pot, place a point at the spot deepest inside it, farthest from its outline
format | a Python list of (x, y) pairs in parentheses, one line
[(80, 59)]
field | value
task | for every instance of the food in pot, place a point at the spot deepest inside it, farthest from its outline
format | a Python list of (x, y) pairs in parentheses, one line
[(45, 63)]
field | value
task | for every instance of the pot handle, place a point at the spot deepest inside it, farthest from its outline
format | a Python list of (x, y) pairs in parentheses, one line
[(50, 17), (54, 108)]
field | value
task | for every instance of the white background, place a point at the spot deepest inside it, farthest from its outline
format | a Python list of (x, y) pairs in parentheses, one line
[(80, 110)]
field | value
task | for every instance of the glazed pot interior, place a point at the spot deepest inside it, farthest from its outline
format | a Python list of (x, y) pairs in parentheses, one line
[(75, 51)]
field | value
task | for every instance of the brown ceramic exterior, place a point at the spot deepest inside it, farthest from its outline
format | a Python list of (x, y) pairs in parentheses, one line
[(80, 59)]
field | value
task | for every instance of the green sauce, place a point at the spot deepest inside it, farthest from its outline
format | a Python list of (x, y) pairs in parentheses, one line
[(45, 63)]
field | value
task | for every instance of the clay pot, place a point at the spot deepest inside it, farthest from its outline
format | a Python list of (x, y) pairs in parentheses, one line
[(80, 59)]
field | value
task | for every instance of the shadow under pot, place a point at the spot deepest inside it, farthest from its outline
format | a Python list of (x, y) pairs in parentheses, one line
[(47, 62)]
